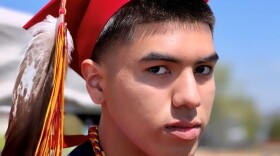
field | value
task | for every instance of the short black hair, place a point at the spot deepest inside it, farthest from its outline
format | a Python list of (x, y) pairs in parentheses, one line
[(122, 24)]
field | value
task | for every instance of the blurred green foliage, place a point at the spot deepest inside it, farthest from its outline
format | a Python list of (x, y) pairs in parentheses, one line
[(73, 125), (2, 142), (274, 130)]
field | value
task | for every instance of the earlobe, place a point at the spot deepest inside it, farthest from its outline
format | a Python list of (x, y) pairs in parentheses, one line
[(91, 74)]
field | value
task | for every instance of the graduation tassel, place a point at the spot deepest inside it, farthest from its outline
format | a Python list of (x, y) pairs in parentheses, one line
[(36, 117), (51, 139)]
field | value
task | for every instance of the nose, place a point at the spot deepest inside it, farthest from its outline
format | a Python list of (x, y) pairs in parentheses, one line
[(186, 91)]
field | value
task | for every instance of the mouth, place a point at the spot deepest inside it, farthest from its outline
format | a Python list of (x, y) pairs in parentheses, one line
[(184, 130)]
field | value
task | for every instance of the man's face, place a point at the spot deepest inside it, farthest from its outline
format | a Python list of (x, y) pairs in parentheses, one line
[(159, 90)]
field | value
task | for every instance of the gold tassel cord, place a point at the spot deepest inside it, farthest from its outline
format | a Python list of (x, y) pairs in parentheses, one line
[(51, 138), (52, 133)]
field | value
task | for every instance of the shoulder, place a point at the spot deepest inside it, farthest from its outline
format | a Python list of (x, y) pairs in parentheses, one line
[(84, 149)]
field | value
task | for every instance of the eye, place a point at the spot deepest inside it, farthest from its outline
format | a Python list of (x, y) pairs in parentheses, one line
[(158, 70), (204, 70)]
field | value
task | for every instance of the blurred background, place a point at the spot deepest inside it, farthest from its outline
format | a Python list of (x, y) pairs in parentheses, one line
[(246, 113)]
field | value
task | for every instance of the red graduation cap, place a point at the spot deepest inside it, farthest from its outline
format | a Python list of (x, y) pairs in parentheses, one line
[(85, 19)]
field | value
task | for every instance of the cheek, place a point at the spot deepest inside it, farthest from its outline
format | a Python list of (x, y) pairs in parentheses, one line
[(130, 100), (136, 105), (138, 101), (207, 93)]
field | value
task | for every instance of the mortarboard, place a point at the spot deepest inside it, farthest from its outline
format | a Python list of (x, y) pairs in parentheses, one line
[(83, 17)]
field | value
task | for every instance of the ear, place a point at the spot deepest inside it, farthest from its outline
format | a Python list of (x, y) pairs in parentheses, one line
[(91, 72)]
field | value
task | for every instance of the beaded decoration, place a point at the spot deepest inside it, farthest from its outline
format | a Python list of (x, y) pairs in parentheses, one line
[(94, 138)]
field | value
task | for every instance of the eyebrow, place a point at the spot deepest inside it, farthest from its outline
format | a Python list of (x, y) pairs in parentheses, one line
[(211, 58), (155, 56)]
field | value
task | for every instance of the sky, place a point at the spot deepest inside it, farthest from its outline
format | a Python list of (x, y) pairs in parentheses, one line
[(247, 38)]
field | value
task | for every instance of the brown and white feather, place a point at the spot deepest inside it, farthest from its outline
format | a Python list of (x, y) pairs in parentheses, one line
[(33, 89)]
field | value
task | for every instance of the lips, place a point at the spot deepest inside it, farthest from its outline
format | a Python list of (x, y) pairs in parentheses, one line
[(183, 130)]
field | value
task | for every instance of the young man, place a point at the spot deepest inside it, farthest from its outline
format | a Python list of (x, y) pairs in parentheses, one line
[(151, 70)]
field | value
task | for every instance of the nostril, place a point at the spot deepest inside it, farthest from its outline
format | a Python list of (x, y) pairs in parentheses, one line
[(189, 99)]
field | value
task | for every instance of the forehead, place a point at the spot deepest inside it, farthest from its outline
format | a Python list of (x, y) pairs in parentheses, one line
[(187, 42), (141, 31), (182, 40), (161, 28)]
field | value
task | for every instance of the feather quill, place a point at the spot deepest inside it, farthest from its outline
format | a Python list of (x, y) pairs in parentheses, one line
[(33, 89)]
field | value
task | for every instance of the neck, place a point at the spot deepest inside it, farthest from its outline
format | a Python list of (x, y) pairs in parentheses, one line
[(113, 140)]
